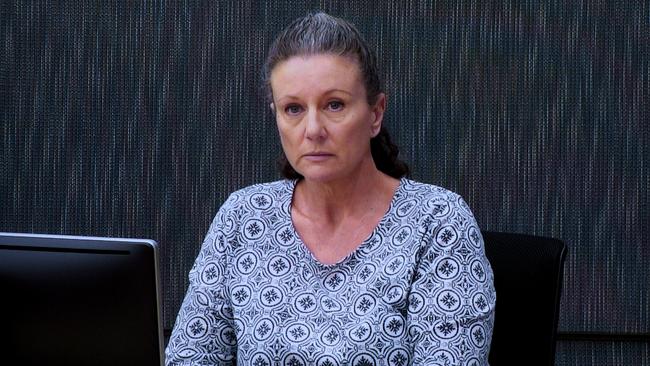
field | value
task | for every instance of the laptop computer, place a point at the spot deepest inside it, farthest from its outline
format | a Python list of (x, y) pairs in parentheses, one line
[(73, 300)]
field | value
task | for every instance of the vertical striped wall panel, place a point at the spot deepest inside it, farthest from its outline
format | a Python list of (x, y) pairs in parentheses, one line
[(603, 353), (124, 118)]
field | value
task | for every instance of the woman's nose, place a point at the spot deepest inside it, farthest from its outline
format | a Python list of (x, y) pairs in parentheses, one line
[(315, 129)]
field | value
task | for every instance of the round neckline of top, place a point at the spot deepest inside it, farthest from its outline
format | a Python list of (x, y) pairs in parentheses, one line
[(291, 186)]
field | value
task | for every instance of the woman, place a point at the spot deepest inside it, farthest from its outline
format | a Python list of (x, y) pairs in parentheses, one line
[(345, 262)]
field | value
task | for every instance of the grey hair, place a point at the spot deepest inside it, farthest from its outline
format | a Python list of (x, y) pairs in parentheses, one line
[(321, 33)]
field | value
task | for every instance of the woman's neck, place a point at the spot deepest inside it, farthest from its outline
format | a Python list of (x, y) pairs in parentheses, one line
[(355, 196)]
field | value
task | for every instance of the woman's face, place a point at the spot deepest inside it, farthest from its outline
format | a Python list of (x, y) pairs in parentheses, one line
[(323, 116)]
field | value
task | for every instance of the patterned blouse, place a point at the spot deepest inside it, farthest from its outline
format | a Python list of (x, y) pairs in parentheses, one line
[(418, 291)]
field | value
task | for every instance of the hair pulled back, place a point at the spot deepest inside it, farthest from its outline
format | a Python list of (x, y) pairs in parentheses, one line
[(320, 33)]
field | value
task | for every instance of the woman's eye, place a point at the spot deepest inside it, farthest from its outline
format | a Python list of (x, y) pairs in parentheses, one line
[(292, 109), (335, 105)]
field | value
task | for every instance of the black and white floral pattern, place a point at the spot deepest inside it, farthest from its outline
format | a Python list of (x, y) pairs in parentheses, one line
[(418, 291)]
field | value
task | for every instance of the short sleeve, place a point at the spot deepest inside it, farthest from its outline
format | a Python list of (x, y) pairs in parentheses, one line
[(452, 298), (204, 333)]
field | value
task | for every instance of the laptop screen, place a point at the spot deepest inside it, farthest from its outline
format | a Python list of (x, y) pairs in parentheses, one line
[(79, 301)]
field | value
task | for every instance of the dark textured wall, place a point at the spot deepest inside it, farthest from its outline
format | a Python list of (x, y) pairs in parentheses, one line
[(124, 118)]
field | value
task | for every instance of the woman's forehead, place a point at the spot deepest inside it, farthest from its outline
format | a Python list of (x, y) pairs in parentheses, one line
[(313, 73)]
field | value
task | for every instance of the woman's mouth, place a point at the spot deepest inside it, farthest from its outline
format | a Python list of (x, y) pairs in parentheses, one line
[(317, 156)]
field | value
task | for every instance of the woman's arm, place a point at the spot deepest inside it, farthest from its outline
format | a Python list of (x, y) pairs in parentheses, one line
[(452, 298), (204, 333)]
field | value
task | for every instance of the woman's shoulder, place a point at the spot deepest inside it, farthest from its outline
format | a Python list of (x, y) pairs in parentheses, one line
[(433, 199), (426, 191), (278, 186), (261, 195)]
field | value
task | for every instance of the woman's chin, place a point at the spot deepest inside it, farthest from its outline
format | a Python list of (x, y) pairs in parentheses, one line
[(318, 178), (322, 176), (332, 172)]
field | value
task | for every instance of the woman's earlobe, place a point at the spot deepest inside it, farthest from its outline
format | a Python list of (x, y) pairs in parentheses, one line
[(375, 126), (375, 131), (272, 106), (378, 114)]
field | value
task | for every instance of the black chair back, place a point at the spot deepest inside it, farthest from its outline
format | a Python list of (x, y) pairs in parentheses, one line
[(528, 274)]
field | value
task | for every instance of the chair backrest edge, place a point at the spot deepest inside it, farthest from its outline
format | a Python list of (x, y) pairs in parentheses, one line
[(558, 295)]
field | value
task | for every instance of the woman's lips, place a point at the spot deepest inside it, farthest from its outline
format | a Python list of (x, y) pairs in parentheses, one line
[(317, 157)]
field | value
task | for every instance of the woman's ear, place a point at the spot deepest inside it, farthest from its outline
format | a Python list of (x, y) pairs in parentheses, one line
[(378, 114)]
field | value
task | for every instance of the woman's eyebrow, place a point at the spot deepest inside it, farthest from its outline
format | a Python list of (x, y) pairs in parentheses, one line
[(337, 90), (290, 97), (329, 91)]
